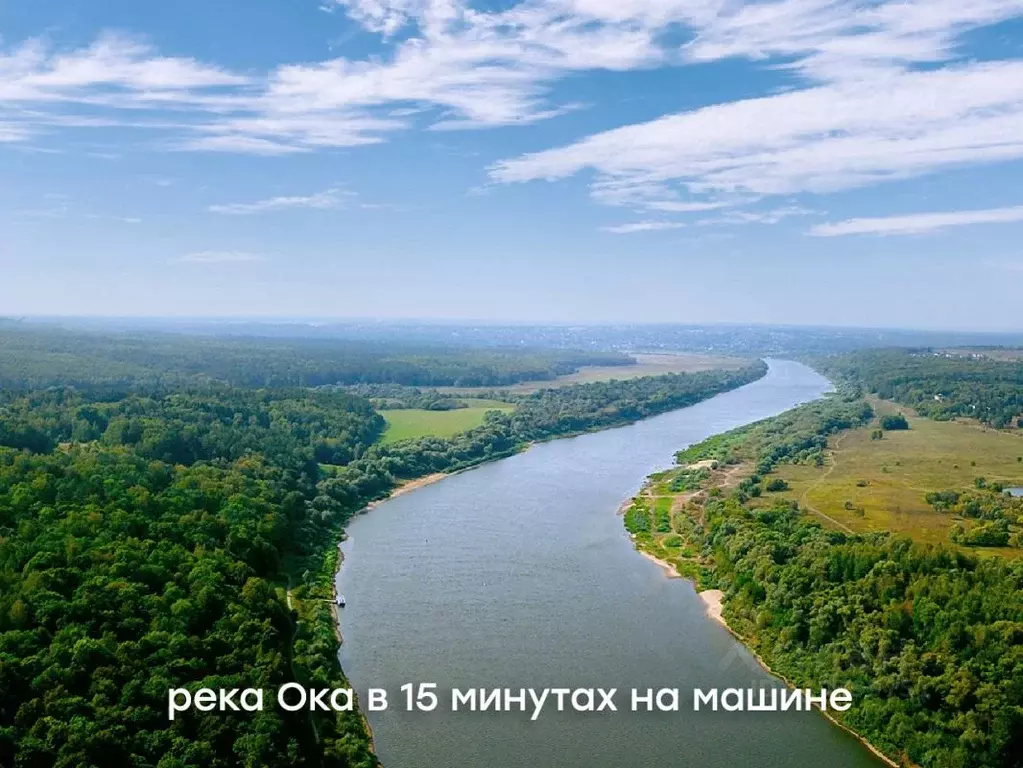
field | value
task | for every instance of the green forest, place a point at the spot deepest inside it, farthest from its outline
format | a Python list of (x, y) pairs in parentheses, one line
[(929, 638), (937, 385), (154, 536), (34, 356)]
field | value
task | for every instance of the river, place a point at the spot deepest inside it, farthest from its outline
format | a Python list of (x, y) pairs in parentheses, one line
[(519, 574)]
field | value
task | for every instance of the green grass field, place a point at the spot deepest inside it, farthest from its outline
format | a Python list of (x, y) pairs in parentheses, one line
[(413, 422), (879, 485)]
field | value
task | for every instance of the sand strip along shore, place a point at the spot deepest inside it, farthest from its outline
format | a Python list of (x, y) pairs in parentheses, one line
[(411, 485), (712, 601)]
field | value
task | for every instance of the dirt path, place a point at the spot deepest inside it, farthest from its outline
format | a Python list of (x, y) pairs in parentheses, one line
[(804, 498)]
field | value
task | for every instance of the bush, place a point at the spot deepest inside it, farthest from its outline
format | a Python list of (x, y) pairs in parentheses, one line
[(894, 421), (994, 534), (777, 484)]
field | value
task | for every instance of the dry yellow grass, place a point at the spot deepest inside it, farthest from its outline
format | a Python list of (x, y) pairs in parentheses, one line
[(885, 481)]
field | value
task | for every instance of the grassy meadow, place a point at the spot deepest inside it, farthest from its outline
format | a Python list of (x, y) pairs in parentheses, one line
[(879, 485), (406, 423)]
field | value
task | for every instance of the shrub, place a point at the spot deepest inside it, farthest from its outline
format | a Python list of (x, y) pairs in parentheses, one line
[(894, 421), (776, 484)]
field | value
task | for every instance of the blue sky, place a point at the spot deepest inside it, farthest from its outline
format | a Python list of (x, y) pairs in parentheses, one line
[(846, 162)]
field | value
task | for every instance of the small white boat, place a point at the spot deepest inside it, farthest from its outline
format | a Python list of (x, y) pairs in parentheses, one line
[(341, 601)]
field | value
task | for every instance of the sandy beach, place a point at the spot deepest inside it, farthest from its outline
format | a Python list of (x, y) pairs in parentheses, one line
[(712, 603), (411, 485), (669, 569)]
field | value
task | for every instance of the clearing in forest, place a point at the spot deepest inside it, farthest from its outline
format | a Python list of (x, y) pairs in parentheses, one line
[(414, 422)]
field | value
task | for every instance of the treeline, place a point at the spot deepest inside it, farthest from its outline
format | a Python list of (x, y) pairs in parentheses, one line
[(293, 428), (797, 436), (391, 396), (986, 515), (929, 640), (37, 356), (540, 416), (123, 575), (938, 385), (152, 541)]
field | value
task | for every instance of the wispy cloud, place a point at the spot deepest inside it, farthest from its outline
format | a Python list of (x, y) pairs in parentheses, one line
[(218, 257), (918, 223), (450, 64), (643, 226), (866, 114), (322, 201), (821, 139), (467, 67), (770, 216)]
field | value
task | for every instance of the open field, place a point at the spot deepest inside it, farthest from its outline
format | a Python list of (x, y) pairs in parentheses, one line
[(413, 422), (879, 485), (646, 365)]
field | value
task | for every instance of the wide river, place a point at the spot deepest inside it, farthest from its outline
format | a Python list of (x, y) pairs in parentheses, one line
[(519, 574)]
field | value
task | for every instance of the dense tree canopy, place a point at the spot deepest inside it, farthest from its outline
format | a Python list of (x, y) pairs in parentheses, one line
[(938, 385), (928, 639), (155, 537), (36, 356)]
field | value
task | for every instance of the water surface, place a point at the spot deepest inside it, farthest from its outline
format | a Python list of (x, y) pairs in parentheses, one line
[(520, 574)]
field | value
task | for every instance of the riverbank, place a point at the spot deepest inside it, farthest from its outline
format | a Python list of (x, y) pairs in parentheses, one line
[(407, 487), (669, 570), (713, 604), (524, 557)]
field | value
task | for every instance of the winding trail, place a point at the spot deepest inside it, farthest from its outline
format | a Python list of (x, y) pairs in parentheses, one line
[(804, 502)]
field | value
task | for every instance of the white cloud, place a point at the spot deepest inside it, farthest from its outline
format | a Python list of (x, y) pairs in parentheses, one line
[(322, 201), (448, 64), (771, 216), (219, 257), (467, 67), (918, 223), (844, 39), (831, 137), (10, 132), (869, 116), (643, 226), (114, 71)]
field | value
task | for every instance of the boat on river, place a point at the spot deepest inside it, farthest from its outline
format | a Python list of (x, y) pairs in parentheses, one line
[(340, 601)]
